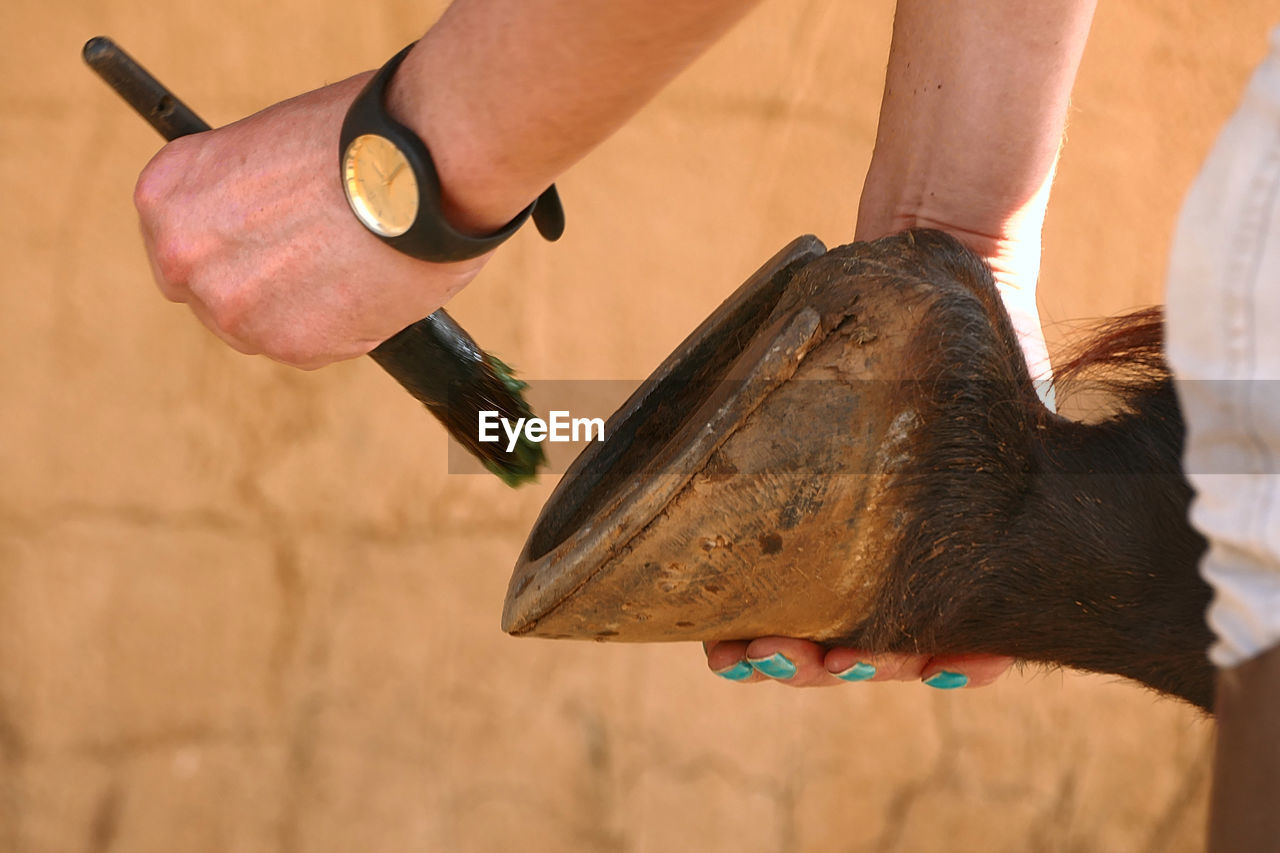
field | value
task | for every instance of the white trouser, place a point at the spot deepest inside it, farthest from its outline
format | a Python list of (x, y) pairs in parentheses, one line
[(1223, 337)]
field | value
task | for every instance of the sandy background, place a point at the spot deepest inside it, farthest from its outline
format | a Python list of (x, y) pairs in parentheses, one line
[(244, 608)]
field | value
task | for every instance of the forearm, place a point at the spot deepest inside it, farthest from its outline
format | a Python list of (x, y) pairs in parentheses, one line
[(973, 115), (508, 94)]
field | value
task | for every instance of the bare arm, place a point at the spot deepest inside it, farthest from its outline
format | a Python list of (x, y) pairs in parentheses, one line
[(248, 225), (511, 93), (974, 109)]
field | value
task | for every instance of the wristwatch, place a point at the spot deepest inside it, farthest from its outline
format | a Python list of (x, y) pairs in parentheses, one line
[(393, 189)]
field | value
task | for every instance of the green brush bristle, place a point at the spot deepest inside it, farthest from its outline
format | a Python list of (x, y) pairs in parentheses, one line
[(508, 376), (529, 456)]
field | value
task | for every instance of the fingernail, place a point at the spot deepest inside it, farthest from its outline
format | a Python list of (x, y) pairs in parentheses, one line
[(947, 680), (775, 665), (740, 671), (858, 672)]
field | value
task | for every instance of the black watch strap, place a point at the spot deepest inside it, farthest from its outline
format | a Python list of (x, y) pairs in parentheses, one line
[(431, 237)]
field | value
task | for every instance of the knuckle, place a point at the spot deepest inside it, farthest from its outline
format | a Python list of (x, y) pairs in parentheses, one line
[(146, 194), (171, 254), (293, 356), (152, 187), (172, 264), (295, 349), (231, 309)]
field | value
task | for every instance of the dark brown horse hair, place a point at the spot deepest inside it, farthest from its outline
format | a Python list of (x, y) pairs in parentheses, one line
[(1027, 533)]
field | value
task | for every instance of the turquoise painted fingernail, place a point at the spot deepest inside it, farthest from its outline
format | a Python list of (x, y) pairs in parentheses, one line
[(740, 671), (858, 672), (947, 680), (775, 665)]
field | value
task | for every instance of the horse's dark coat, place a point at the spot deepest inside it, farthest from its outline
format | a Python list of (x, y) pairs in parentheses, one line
[(1029, 534)]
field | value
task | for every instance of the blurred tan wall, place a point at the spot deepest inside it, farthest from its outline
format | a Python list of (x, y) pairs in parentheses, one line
[(244, 608)]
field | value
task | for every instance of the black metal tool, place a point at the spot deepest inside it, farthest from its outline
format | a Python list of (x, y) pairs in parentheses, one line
[(435, 360)]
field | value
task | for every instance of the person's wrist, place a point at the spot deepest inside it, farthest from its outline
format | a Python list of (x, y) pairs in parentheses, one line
[(480, 193), (1013, 253), (1010, 248), (1005, 231)]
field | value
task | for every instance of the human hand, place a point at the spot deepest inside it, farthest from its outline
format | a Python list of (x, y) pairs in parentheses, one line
[(800, 663), (248, 225)]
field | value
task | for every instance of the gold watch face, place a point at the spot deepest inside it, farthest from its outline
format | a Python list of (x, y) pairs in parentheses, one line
[(380, 185)]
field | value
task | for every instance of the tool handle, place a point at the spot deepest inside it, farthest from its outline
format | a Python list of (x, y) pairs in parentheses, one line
[(147, 95), (416, 357)]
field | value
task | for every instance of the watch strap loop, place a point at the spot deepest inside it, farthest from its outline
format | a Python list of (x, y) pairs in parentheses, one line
[(548, 214)]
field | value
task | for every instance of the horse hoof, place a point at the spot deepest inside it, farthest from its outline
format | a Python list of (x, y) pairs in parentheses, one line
[(742, 490)]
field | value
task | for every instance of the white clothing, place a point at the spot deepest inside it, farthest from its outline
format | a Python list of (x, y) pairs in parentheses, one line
[(1223, 340)]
